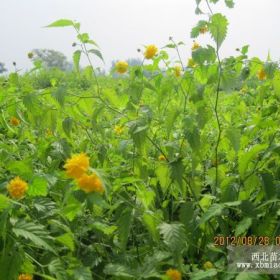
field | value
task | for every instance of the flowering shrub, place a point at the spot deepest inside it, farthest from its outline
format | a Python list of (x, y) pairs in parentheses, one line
[(137, 176)]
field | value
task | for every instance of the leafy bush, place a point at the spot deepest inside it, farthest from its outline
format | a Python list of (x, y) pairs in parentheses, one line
[(134, 177)]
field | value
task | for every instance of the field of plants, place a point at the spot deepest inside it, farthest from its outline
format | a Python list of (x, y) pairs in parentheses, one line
[(143, 174)]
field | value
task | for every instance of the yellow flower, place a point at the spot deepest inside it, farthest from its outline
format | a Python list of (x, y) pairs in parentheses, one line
[(208, 265), (151, 51), (203, 29), (162, 158), (173, 274), (90, 183), (17, 188), (121, 67), (49, 132), (195, 46), (77, 165), (261, 75), (118, 129), (191, 63), (25, 277), (14, 121), (177, 70)]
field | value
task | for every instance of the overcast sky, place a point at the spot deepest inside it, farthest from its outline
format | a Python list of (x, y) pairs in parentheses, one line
[(122, 26)]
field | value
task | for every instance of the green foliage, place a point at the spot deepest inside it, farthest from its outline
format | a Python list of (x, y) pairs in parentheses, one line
[(218, 28), (181, 158)]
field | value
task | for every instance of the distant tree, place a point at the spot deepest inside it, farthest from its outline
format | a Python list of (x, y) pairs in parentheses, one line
[(2, 68), (52, 59)]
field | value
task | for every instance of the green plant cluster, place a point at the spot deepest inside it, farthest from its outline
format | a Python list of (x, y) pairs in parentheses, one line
[(183, 159)]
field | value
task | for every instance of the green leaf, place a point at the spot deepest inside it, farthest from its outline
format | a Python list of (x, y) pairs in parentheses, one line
[(118, 270), (196, 30), (104, 228), (4, 202), (229, 3), (151, 221), (245, 49), (67, 125), (243, 226), (82, 273), (174, 236), (76, 59), (61, 23), (245, 158), (218, 28), (234, 136), (83, 38), (57, 268), (177, 171), (34, 232), (208, 274), (268, 185), (163, 175), (213, 211), (67, 240), (202, 55), (38, 187), (186, 213), (97, 53), (276, 83), (10, 263), (72, 209), (21, 168), (124, 224), (59, 95)]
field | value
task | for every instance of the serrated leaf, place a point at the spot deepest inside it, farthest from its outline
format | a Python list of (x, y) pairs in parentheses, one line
[(202, 55), (218, 28), (151, 222), (10, 263), (21, 168), (34, 232), (67, 240), (67, 125), (196, 30), (97, 53), (118, 270), (243, 226), (83, 38), (104, 228), (4, 202), (82, 273), (59, 95), (61, 23), (229, 3), (268, 185), (174, 236), (124, 224), (213, 211), (76, 59), (170, 46), (38, 187), (245, 158), (57, 268), (234, 136), (208, 274)]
